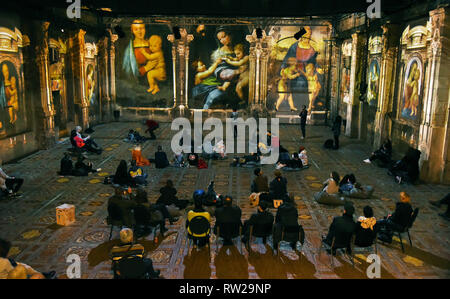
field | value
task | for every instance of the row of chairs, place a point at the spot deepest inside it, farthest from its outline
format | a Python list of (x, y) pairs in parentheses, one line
[(200, 225)]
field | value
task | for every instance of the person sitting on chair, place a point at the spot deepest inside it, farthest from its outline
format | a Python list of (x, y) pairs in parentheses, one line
[(200, 240), (161, 160), (260, 183), (365, 228), (128, 249), (341, 230), (398, 220), (261, 218), (228, 214), (287, 216), (9, 185), (278, 186)]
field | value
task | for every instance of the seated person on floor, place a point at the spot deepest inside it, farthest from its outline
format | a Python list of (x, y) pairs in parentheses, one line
[(295, 163), (227, 215), (137, 174), (287, 217), (151, 127), (399, 220), (8, 264), (260, 182), (127, 249), (66, 165), (168, 196), (443, 201), (199, 240), (134, 137), (303, 155), (179, 160), (136, 155), (347, 183), (9, 185), (407, 169), (341, 230), (383, 154), (365, 228), (195, 161), (161, 160), (262, 217), (283, 156), (84, 143), (278, 186), (330, 193), (251, 160), (83, 169), (122, 176)]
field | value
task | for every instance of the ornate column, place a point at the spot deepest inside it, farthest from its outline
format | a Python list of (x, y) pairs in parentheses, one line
[(103, 77), (47, 113), (334, 78), (390, 40), (434, 129), (259, 58), (180, 58), (352, 128)]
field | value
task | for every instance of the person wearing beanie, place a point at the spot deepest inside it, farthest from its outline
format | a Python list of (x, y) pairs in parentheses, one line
[(278, 186), (341, 229), (227, 215)]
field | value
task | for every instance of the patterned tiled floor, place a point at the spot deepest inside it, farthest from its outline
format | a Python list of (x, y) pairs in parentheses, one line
[(29, 222)]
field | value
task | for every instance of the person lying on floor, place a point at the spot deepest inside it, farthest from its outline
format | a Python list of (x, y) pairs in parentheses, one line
[(134, 137), (250, 160), (383, 154), (9, 185), (294, 163), (330, 193), (347, 183)]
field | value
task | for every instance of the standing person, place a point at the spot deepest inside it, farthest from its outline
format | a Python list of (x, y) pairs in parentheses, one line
[(336, 128), (303, 115), (8, 184), (151, 127), (234, 115)]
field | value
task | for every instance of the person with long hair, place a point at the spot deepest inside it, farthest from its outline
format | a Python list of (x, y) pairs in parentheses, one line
[(122, 177)]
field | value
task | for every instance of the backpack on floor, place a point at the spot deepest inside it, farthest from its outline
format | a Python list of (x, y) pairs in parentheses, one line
[(328, 143)]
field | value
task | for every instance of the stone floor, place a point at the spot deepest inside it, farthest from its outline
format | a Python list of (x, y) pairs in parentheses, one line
[(29, 222)]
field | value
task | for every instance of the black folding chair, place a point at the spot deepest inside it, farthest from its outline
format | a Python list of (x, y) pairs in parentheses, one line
[(401, 231), (291, 233), (143, 222), (336, 247), (130, 267), (259, 231), (229, 231), (115, 217), (198, 225)]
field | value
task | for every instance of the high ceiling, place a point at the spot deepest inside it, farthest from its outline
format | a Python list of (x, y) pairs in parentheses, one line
[(251, 8)]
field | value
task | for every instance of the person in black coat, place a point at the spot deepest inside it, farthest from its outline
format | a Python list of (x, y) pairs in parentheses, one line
[(228, 214), (341, 229), (383, 154), (287, 216), (278, 186), (443, 201), (398, 220), (303, 116), (169, 196), (407, 169), (66, 165), (260, 183), (122, 176), (261, 218), (336, 128), (161, 160)]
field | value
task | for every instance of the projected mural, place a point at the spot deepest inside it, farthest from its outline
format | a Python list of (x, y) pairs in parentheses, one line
[(219, 67), (372, 90), (144, 67), (296, 69), (412, 89)]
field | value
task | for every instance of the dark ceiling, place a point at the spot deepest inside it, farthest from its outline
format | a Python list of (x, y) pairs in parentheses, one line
[(230, 8)]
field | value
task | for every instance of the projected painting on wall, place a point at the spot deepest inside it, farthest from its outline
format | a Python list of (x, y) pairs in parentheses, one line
[(144, 66), (219, 70), (412, 89), (372, 90), (296, 69)]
